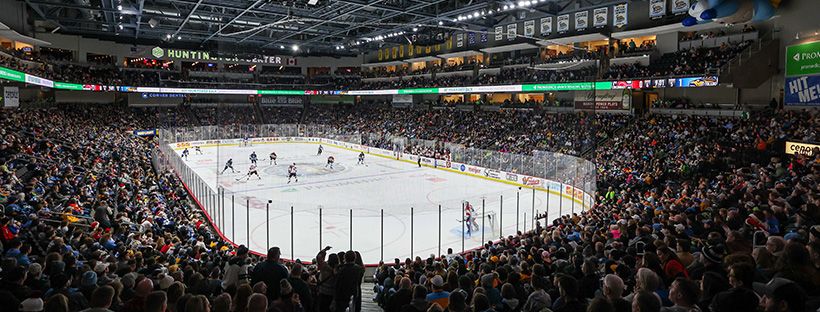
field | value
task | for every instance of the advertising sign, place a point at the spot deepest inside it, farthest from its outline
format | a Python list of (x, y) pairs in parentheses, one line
[(803, 59), (802, 91), (11, 97), (602, 99), (801, 148), (205, 56)]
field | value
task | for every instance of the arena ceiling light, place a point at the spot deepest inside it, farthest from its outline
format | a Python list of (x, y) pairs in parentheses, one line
[(295, 48)]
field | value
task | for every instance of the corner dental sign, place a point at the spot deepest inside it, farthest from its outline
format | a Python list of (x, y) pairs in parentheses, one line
[(194, 55)]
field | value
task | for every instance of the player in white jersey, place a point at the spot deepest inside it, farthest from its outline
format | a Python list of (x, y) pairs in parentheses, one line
[(292, 172), (198, 150), (228, 164), (185, 153), (469, 217), (330, 161), (273, 158), (253, 158), (361, 159), (251, 171)]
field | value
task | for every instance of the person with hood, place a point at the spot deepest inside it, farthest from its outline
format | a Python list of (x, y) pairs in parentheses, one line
[(539, 298), (236, 269), (509, 302)]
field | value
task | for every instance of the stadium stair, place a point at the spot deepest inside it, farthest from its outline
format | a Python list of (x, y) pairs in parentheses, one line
[(754, 65)]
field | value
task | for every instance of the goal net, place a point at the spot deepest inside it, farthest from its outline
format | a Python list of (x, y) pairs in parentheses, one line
[(486, 221)]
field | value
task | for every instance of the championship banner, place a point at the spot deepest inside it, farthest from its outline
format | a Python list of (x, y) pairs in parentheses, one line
[(680, 6), (563, 23), (802, 91), (581, 20), (459, 40), (512, 31), (546, 26), (529, 28), (599, 16), (619, 15), (657, 8), (808, 149), (499, 33), (11, 97)]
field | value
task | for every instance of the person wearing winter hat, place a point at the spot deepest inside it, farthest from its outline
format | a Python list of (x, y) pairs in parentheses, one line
[(289, 300), (31, 305), (439, 295)]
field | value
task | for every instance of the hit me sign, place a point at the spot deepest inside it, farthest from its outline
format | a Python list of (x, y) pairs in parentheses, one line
[(803, 74)]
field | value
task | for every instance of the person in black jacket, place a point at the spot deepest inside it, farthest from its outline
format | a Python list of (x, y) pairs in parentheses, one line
[(348, 281), (271, 272), (401, 297)]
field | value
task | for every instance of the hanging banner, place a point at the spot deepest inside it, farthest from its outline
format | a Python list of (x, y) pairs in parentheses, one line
[(459, 40), (546, 26), (512, 31), (11, 97), (470, 38), (657, 8), (499, 33), (563, 23), (599, 17), (529, 28), (680, 7), (581, 20), (619, 15)]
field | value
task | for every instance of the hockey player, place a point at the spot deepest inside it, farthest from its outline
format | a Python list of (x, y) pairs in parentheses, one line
[(197, 150), (361, 159), (330, 161), (252, 171), (185, 153), (272, 158), (292, 172), (253, 158), (320, 150), (228, 164), (469, 217)]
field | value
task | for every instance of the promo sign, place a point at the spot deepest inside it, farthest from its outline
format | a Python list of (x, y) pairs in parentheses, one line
[(802, 91), (803, 59)]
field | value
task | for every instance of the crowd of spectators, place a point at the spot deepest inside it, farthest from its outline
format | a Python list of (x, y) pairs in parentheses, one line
[(693, 61), (692, 214)]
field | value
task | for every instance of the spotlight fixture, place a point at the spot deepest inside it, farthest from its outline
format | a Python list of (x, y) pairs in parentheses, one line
[(295, 48)]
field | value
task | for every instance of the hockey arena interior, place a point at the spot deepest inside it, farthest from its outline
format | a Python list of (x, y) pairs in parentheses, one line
[(409, 155)]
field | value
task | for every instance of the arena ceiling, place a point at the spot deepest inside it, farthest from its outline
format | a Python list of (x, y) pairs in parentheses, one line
[(320, 27)]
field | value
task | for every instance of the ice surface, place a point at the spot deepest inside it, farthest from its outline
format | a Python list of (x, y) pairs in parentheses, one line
[(382, 184)]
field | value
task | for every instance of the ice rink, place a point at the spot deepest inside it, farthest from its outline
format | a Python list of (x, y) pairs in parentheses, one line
[(382, 184)]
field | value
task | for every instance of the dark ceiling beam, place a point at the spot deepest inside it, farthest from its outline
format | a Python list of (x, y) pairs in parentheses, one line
[(34, 6), (139, 19), (232, 20), (196, 6)]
